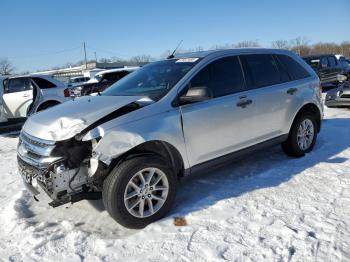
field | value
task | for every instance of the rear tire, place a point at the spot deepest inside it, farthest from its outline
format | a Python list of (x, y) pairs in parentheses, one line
[(135, 200), (302, 136)]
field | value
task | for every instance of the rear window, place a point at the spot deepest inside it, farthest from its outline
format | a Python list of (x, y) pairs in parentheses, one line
[(261, 70), (43, 83), (295, 70)]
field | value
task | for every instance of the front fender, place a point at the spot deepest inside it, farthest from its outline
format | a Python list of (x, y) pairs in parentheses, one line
[(120, 139)]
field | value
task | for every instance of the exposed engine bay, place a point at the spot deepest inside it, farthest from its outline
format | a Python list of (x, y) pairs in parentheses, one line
[(68, 170), (69, 178)]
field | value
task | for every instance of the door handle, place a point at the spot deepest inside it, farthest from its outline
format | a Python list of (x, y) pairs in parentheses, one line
[(244, 103), (291, 91)]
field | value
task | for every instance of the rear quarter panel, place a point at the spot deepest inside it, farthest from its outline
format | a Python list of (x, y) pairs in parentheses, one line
[(308, 92)]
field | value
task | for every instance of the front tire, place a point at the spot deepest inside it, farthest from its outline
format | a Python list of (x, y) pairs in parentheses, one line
[(139, 191), (302, 136)]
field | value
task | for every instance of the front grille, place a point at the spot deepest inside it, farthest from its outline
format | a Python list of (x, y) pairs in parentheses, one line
[(28, 171), (345, 96), (34, 141), (36, 152)]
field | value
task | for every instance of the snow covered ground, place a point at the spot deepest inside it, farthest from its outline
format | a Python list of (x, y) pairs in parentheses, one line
[(265, 207)]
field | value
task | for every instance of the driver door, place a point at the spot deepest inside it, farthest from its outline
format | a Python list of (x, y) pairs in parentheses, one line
[(221, 124), (18, 95)]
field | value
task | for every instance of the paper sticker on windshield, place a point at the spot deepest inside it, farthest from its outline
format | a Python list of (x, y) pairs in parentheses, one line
[(187, 60)]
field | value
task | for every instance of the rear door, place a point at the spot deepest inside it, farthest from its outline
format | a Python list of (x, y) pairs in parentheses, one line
[(268, 86), (18, 95), (222, 124)]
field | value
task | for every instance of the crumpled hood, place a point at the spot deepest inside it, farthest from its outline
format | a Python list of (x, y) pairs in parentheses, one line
[(66, 120)]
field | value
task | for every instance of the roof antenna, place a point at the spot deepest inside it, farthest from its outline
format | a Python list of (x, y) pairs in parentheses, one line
[(172, 54)]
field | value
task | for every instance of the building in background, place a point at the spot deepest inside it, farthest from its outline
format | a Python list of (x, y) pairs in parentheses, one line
[(88, 70)]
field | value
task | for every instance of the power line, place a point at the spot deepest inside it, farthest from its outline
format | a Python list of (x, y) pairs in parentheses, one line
[(105, 51), (46, 54)]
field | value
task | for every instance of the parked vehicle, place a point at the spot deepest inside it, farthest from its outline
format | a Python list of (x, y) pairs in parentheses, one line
[(345, 65), (102, 80), (339, 97), (327, 68), (24, 95), (78, 80), (167, 120)]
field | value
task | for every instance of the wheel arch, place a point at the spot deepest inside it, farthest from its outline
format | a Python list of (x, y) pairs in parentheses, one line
[(47, 102), (314, 109), (160, 148)]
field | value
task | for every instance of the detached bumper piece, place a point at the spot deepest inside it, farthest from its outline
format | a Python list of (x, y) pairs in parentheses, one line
[(76, 198)]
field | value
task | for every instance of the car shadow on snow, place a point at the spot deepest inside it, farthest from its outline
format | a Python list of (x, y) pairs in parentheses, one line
[(264, 169)]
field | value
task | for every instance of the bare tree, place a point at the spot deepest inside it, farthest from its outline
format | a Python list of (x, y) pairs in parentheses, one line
[(247, 43), (141, 59), (6, 67), (280, 44), (300, 45)]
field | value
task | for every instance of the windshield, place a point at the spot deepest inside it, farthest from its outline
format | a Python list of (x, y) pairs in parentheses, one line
[(154, 80)]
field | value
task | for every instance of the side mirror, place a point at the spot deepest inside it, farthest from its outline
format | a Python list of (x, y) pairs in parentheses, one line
[(341, 78), (196, 94)]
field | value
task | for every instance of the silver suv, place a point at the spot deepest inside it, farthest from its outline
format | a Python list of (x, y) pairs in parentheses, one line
[(167, 120)]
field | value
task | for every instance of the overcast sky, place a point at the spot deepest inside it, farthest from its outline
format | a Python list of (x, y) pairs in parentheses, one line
[(41, 34)]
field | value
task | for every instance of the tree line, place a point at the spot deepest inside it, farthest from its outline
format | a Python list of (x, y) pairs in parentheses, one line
[(300, 45)]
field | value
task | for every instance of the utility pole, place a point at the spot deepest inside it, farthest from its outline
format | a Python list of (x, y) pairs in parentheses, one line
[(85, 55), (95, 57)]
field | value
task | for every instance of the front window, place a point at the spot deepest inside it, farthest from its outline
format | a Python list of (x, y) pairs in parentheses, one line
[(154, 80)]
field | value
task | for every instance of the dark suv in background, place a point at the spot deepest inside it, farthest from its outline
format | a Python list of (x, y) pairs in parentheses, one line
[(327, 68)]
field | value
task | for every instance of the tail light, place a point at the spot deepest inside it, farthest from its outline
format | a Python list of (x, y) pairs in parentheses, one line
[(66, 92)]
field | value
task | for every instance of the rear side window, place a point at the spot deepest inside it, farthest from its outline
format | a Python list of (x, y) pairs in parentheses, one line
[(223, 77), (294, 69), (43, 83), (261, 70)]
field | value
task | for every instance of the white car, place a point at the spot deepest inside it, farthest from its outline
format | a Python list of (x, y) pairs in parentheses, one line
[(78, 80), (102, 80), (111, 74), (21, 96)]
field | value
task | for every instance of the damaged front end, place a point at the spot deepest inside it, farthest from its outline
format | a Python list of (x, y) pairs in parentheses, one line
[(64, 170), (63, 161)]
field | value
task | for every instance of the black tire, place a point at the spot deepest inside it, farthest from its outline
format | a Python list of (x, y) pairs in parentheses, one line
[(290, 146), (115, 184)]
